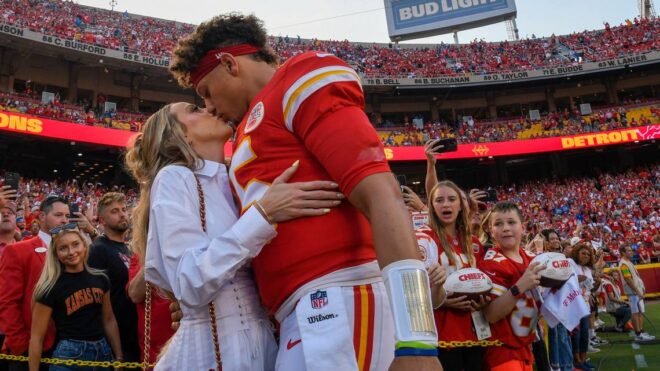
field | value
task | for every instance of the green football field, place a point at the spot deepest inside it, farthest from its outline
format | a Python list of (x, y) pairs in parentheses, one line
[(621, 354)]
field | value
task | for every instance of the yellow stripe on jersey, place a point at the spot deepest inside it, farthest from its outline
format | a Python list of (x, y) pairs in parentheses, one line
[(309, 84), (498, 289)]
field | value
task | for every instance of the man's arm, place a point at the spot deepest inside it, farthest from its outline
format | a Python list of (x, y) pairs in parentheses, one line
[(137, 288), (378, 197), (12, 282)]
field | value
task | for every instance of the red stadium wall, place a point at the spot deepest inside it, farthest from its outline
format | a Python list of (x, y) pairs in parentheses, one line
[(650, 274), (25, 124)]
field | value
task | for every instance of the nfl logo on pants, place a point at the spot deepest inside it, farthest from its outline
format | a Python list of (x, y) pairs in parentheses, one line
[(319, 299)]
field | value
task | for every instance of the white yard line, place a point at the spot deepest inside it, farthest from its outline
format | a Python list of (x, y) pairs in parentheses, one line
[(640, 361)]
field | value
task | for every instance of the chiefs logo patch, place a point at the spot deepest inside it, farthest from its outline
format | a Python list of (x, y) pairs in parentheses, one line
[(256, 116), (422, 252)]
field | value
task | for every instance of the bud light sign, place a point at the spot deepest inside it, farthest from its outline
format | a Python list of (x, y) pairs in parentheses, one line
[(408, 19)]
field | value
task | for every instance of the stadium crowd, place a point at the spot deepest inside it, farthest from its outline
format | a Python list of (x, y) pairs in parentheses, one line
[(410, 132), (151, 36), (104, 28), (609, 213), (30, 103), (416, 132)]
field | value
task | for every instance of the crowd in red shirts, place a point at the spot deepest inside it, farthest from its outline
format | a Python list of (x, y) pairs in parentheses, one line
[(611, 210), (553, 124), (407, 133), (635, 36), (85, 195), (108, 29), (156, 37), (78, 114)]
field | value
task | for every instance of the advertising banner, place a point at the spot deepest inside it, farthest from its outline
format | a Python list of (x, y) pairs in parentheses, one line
[(83, 47), (25, 124), (408, 19), (530, 146), (508, 77)]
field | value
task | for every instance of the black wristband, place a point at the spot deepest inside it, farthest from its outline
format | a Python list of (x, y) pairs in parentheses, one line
[(515, 291)]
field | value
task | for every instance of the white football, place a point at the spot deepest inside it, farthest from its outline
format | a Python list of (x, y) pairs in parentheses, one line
[(557, 269), (470, 282)]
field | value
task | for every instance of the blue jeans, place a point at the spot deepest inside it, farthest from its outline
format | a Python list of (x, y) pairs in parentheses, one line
[(81, 350), (559, 343), (580, 339)]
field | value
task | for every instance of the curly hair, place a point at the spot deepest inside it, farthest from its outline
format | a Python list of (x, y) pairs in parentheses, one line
[(575, 254), (221, 30)]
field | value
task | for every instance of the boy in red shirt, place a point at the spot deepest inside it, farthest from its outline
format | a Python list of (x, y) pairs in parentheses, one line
[(513, 312)]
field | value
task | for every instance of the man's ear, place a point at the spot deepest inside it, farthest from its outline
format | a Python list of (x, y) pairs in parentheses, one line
[(230, 64)]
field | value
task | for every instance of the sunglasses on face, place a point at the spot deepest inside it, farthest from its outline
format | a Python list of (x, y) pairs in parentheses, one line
[(62, 228)]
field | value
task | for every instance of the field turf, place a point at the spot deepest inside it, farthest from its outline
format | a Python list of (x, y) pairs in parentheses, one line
[(620, 353)]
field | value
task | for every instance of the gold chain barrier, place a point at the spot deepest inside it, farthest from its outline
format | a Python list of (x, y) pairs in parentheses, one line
[(469, 343), (74, 362)]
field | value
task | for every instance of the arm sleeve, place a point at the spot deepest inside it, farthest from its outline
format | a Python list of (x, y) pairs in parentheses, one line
[(97, 258), (180, 256), (48, 299), (325, 108), (501, 280), (427, 248), (12, 282), (625, 271), (133, 269)]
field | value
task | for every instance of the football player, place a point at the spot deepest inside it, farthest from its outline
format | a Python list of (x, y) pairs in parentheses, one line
[(326, 279)]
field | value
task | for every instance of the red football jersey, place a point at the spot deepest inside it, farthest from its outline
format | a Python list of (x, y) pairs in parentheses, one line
[(517, 329), (452, 324), (312, 111)]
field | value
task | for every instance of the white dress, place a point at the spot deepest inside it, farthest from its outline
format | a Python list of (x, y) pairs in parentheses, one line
[(201, 267)]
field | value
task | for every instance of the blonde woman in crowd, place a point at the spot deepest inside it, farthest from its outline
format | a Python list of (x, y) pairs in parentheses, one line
[(77, 299)]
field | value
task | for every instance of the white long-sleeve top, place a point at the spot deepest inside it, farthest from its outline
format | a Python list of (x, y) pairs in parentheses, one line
[(191, 263)]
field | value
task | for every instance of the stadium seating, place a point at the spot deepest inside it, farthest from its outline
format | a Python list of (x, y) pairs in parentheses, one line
[(157, 37)]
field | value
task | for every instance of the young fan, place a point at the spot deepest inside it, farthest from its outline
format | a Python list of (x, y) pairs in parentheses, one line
[(513, 312), (77, 298), (447, 241)]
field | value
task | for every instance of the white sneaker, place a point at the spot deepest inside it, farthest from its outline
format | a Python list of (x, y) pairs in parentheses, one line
[(599, 323), (591, 349), (646, 336)]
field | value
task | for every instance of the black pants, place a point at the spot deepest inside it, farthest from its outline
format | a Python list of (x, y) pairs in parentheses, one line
[(540, 356), (462, 359), (3, 364)]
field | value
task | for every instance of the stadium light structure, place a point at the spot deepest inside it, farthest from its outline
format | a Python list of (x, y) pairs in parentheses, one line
[(113, 4)]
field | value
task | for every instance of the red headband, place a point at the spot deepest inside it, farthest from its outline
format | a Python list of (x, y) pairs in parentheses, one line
[(212, 59)]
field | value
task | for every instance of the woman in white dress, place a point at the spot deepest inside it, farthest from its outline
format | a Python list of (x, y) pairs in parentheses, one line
[(198, 259)]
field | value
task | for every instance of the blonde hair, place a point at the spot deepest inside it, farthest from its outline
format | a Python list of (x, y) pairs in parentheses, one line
[(484, 235), (53, 267), (462, 225), (108, 198), (161, 142)]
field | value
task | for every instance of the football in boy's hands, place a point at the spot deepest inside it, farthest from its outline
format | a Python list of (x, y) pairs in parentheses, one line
[(557, 269), (469, 282)]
